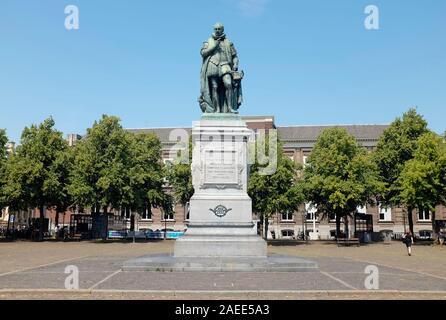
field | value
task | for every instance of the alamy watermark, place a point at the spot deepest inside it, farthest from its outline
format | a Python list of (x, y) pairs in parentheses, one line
[(371, 282), (261, 148), (72, 280), (371, 21), (72, 18)]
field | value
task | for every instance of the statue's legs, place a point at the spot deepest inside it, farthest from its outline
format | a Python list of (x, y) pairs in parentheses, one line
[(227, 81), (215, 99)]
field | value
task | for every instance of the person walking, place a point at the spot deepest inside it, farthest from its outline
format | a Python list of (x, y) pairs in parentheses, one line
[(408, 241)]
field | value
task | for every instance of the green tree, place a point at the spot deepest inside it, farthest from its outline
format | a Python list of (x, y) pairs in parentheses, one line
[(396, 146), (100, 177), (115, 169), (3, 141), (63, 165), (146, 174), (277, 192), (340, 176), (34, 176), (179, 176), (422, 182)]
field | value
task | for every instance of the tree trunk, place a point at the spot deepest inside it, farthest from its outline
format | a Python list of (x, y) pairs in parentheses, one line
[(42, 220), (261, 225), (56, 221), (7, 228), (266, 227), (410, 220), (338, 226), (105, 228), (346, 230), (434, 227)]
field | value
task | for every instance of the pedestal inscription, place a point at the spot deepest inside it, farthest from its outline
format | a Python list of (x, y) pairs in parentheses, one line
[(220, 173), (220, 168)]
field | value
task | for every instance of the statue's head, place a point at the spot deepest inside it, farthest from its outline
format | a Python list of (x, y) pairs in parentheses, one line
[(219, 29)]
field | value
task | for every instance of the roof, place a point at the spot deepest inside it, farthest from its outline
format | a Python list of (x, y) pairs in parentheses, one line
[(360, 132), (287, 133), (163, 133)]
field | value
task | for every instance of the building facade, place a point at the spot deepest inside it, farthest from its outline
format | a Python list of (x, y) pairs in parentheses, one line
[(298, 142)]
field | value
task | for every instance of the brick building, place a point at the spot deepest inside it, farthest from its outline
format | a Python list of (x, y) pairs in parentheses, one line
[(298, 141)]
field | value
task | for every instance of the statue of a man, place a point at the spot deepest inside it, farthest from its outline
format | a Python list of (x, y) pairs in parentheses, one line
[(221, 90)]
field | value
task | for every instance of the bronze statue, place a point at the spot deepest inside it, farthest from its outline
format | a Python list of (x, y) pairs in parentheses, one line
[(221, 90)]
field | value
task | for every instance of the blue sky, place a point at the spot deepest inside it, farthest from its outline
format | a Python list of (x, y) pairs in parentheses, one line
[(305, 62)]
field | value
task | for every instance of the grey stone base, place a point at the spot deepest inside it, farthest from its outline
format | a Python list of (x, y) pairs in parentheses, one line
[(169, 263), (220, 246)]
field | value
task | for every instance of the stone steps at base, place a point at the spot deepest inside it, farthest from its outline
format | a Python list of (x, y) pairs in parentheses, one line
[(169, 263)]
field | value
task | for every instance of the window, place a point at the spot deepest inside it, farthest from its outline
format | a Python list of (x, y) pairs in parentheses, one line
[(385, 214), (287, 216), (125, 213), (311, 212), (287, 234), (147, 213), (332, 216), (425, 234), (168, 216), (304, 160), (424, 215), (362, 209), (95, 209)]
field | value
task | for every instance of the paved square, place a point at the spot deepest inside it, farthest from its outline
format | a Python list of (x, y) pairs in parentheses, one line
[(37, 270)]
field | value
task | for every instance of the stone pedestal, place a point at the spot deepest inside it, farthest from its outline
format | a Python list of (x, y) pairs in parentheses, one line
[(220, 221), (221, 236)]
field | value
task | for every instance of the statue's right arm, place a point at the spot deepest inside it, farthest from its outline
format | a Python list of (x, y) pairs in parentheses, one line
[(206, 50)]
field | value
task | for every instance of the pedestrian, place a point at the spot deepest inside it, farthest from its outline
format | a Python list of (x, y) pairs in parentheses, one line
[(408, 241)]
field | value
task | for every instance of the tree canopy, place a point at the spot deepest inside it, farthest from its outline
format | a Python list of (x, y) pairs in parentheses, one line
[(276, 192), (113, 168), (422, 182), (146, 174), (3, 141), (340, 175), (35, 177), (396, 146), (179, 176)]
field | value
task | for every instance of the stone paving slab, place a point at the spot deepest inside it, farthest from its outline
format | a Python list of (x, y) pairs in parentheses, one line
[(352, 266), (103, 273), (170, 263), (210, 281), (206, 295), (24, 266)]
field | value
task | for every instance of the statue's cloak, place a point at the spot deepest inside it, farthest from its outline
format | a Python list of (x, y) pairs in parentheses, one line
[(205, 98)]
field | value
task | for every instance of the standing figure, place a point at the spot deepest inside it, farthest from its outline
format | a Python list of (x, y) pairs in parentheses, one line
[(221, 90), (408, 241)]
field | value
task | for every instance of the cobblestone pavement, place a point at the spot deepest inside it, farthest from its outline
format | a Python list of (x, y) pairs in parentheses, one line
[(37, 271)]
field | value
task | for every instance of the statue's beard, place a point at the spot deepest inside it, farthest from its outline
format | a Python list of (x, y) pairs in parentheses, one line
[(218, 37)]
